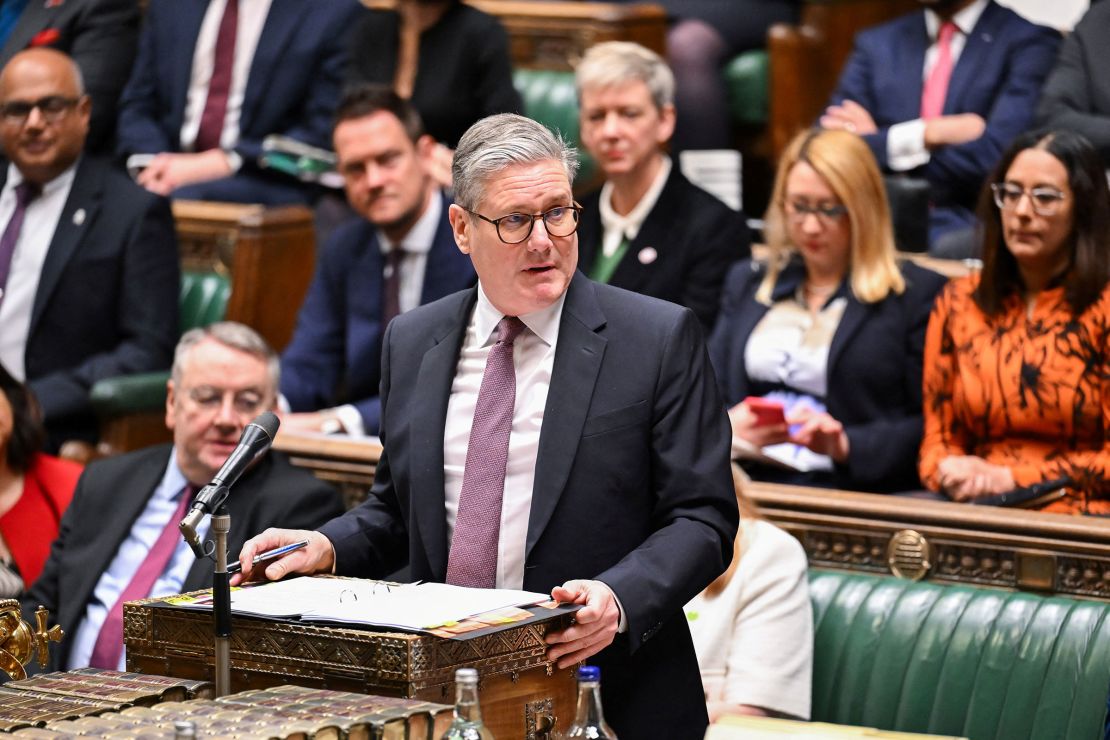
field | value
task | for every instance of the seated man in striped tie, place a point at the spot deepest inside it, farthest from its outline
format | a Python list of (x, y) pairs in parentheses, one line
[(119, 539)]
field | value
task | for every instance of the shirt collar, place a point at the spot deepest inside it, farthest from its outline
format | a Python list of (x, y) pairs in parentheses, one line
[(630, 225), (423, 232), (62, 181), (173, 480), (965, 20), (543, 323)]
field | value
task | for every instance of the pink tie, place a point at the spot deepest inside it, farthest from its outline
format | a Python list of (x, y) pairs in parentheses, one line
[(219, 87), (936, 86), (473, 558), (109, 643)]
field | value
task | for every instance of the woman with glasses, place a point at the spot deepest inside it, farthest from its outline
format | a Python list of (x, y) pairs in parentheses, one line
[(1017, 386), (818, 349)]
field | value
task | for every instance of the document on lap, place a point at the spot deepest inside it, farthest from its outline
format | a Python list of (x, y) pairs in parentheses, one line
[(410, 606)]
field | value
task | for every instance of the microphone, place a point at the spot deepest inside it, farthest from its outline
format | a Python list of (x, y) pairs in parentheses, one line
[(255, 440)]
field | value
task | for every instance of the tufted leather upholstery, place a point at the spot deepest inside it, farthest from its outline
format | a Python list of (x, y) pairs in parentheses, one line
[(203, 300), (958, 660)]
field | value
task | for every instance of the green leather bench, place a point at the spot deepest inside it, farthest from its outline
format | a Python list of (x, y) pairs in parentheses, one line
[(958, 660)]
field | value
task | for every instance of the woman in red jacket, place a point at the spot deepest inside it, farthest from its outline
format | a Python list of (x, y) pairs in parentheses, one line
[(35, 489)]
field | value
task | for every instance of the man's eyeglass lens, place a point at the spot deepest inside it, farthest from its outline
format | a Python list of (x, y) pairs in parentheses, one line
[(211, 399), (516, 227), (52, 108)]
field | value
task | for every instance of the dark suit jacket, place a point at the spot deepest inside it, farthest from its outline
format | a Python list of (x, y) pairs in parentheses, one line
[(874, 371), (111, 496), (292, 89), (632, 482), (1076, 95), (998, 75), (100, 35), (107, 298), (695, 236), (335, 354), (464, 72)]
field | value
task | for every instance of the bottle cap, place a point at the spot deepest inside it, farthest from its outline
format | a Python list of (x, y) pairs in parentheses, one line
[(466, 675), (589, 673)]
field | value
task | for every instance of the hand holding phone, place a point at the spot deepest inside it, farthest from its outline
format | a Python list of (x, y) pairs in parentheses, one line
[(766, 412)]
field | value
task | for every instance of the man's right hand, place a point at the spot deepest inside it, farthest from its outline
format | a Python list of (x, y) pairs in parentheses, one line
[(317, 557)]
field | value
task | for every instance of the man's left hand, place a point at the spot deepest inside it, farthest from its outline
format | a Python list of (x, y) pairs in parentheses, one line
[(849, 116), (170, 171), (595, 624)]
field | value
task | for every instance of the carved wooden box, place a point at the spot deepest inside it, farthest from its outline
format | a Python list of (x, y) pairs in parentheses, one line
[(522, 695)]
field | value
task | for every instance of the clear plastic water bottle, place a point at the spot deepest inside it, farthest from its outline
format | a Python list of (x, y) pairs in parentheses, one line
[(589, 720), (467, 724)]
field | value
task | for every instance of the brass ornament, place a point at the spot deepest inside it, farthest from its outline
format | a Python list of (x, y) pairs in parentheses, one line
[(909, 555), (19, 643)]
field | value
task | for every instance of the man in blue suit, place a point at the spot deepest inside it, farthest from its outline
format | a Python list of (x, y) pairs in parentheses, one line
[(213, 78), (398, 255), (983, 65)]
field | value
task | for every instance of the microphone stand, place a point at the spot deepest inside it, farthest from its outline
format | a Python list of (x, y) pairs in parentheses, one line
[(221, 602)]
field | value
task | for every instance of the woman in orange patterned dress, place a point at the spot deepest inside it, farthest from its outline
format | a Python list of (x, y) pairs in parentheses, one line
[(1016, 378)]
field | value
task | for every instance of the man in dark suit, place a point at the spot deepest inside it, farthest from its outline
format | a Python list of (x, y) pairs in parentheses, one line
[(547, 432), (99, 35), (396, 256), (119, 538), (939, 94), (1076, 95), (648, 229), (212, 80), (88, 260)]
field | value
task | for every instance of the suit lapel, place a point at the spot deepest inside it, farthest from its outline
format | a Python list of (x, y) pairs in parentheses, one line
[(633, 273), (281, 22), (853, 318), (34, 18), (578, 359), (972, 61), (914, 43), (440, 265), (429, 419), (187, 16), (77, 219)]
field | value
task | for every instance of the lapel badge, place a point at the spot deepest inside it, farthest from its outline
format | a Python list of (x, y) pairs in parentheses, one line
[(647, 255), (52, 3), (79, 217)]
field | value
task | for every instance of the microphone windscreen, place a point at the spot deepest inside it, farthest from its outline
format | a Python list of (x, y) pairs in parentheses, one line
[(269, 422)]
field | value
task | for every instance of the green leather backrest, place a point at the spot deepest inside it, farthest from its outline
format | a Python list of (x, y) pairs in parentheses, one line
[(550, 98), (747, 78), (203, 299), (957, 660)]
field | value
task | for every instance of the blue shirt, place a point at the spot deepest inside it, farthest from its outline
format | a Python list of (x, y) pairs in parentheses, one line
[(130, 555)]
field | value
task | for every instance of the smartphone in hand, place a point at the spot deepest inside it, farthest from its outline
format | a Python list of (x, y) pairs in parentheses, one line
[(766, 412)]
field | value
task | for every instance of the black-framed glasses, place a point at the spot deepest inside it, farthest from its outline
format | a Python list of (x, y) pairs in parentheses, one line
[(517, 227), (211, 399), (1044, 199), (52, 108), (826, 214)]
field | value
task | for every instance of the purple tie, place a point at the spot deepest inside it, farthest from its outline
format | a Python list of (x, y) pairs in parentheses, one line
[(25, 192), (391, 294), (473, 558), (219, 87), (109, 643)]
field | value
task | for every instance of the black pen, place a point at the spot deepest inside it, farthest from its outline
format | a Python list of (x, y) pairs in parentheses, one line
[(269, 555)]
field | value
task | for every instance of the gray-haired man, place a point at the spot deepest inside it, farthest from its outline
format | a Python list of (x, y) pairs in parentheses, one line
[(599, 469), (108, 550)]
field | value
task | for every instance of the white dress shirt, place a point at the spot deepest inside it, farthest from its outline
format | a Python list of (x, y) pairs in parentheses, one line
[(615, 227), (533, 358), (39, 224), (252, 17), (905, 142)]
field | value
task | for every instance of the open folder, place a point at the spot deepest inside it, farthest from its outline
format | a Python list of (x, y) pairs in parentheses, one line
[(409, 606)]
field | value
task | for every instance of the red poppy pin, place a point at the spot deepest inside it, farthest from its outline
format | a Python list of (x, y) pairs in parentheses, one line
[(45, 37), (52, 3)]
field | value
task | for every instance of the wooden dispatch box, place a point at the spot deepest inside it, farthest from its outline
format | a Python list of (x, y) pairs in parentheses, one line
[(522, 694)]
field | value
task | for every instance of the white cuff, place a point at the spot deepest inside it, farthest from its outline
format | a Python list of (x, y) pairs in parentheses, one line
[(351, 420), (234, 160), (905, 146)]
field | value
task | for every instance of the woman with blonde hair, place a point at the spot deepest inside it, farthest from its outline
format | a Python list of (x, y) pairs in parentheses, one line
[(818, 348), (753, 626)]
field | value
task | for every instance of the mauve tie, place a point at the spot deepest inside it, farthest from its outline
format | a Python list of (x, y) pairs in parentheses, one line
[(109, 642), (219, 87), (473, 558), (25, 192)]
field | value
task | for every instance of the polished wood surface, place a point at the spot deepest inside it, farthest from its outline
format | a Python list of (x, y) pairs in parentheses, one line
[(270, 254), (346, 462)]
